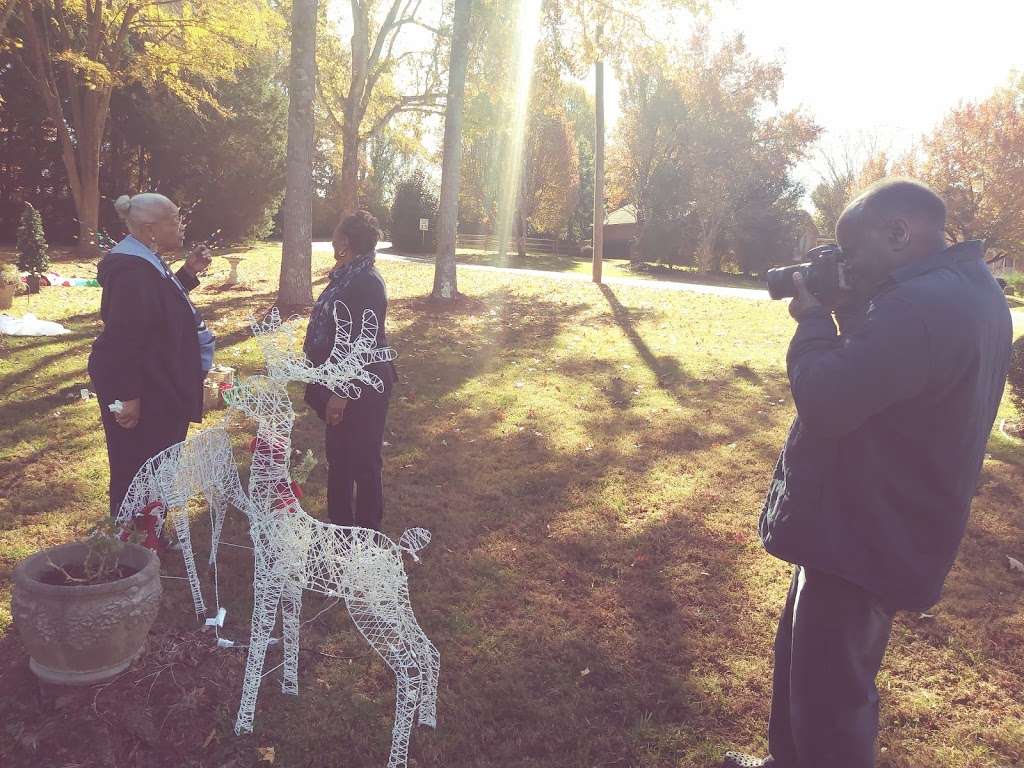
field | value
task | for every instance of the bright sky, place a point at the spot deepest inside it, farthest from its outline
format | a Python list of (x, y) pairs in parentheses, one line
[(881, 70), (884, 68)]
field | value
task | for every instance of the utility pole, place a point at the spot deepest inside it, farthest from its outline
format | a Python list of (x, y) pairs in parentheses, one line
[(598, 239)]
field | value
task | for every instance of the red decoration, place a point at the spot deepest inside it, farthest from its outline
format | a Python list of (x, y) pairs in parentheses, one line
[(145, 520), (288, 494)]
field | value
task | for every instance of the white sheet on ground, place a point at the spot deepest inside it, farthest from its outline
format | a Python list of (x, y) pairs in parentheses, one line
[(30, 325)]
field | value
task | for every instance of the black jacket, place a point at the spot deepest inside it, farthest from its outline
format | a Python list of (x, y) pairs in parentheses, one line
[(876, 479), (366, 291), (148, 348)]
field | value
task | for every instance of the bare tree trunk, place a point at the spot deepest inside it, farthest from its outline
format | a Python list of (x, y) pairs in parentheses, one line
[(349, 182), (520, 229), (598, 170), (707, 260), (95, 107), (88, 217), (445, 279), (355, 105), (81, 131), (295, 288)]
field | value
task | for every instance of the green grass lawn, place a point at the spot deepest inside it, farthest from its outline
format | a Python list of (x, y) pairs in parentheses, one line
[(591, 462), (550, 262)]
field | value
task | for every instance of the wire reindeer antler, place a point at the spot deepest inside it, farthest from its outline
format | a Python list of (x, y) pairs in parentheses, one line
[(346, 364)]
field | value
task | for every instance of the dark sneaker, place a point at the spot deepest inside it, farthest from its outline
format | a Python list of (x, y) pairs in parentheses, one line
[(740, 760)]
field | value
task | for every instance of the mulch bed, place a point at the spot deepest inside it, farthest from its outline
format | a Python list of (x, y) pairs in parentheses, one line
[(174, 707)]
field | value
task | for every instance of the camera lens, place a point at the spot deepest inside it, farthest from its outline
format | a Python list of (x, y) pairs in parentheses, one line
[(780, 280)]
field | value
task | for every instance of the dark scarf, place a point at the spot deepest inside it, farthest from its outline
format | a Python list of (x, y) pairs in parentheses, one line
[(320, 333)]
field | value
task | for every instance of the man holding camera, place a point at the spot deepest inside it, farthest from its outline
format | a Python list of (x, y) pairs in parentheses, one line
[(871, 495)]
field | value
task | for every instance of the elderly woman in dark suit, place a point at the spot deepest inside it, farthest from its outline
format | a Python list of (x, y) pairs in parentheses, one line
[(154, 351), (355, 428)]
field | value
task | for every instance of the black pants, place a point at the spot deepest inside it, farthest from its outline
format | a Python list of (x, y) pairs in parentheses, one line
[(128, 449), (355, 461), (831, 640)]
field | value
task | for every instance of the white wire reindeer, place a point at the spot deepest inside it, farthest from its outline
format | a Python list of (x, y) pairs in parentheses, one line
[(202, 463), (294, 551)]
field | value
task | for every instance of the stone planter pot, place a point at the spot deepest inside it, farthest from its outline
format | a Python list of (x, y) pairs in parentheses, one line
[(80, 635), (7, 295)]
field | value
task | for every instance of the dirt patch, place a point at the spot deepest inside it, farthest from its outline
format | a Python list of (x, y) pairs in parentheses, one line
[(460, 305), (76, 575), (173, 707)]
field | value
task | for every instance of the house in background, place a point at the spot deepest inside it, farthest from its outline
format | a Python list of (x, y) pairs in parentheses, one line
[(620, 231), (807, 237)]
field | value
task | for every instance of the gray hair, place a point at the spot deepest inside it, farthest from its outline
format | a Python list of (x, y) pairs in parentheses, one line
[(146, 208)]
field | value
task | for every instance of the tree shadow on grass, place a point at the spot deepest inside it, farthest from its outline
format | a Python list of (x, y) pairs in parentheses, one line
[(516, 672)]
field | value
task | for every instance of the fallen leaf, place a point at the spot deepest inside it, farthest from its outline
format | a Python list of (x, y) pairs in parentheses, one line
[(209, 738), (266, 754)]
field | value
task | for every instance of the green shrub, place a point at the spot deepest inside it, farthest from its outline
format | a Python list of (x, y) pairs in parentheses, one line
[(1016, 376), (9, 275), (1014, 280)]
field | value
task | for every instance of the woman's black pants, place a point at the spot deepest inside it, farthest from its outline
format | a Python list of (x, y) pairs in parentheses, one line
[(829, 647), (129, 449), (355, 462)]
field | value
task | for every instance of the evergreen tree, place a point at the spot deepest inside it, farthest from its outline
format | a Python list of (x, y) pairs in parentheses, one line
[(33, 255), (415, 199)]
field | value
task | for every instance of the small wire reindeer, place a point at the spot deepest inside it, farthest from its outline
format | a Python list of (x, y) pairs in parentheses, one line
[(201, 464)]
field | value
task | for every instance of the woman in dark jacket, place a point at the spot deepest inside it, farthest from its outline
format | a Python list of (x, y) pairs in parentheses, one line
[(355, 428), (154, 350)]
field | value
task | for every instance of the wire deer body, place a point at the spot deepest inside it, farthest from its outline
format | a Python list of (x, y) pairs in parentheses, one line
[(203, 463), (294, 551)]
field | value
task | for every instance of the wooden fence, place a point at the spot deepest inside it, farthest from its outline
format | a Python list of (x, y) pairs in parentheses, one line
[(490, 243)]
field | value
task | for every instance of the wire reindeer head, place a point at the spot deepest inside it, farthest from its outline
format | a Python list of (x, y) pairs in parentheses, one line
[(346, 364)]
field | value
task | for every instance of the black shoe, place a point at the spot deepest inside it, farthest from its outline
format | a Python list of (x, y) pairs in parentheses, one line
[(740, 760)]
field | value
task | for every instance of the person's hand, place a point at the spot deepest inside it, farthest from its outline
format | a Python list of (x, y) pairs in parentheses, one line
[(804, 301), (198, 259), (131, 411), (335, 410)]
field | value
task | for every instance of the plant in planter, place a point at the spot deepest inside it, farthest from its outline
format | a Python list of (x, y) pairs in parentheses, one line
[(83, 610), (9, 280), (33, 252)]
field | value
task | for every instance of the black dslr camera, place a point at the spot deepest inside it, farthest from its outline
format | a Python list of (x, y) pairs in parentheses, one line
[(825, 274)]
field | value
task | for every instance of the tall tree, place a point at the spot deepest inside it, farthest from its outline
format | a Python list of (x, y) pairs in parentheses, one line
[(296, 287), (701, 124), (603, 31), (362, 89), (975, 159), (579, 110), (851, 166), (649, 139), (550, 184), (77, 53), (445, 279), (486, 122)]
